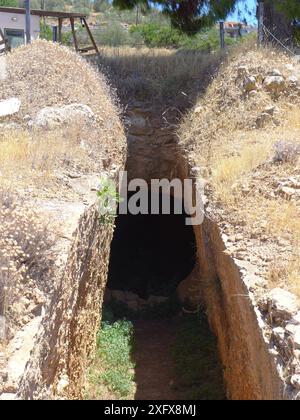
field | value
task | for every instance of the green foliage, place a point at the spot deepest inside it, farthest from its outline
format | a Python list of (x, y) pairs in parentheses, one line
[(46, 33), (100, 5), (9, 3), (291, 8), (112, 35), (115, 345), (155, 36), (108, 198), (198, 371), (187, 15)]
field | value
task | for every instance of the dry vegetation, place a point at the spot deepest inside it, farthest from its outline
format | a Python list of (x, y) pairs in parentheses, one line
[(248, 160), (25, 262), (157, 75), (37, 164)]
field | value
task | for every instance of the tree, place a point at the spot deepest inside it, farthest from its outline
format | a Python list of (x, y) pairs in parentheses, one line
[(280, 16), (187, 15), (9, 3), (100, 5)]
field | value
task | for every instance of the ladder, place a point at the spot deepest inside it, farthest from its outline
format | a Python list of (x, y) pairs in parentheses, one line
[(4, 47)]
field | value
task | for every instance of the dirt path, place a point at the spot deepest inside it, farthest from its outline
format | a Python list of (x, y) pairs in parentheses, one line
[(154, 366)]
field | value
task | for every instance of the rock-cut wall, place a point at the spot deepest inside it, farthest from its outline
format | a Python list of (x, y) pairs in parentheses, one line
[(250, 371), (67, 337)]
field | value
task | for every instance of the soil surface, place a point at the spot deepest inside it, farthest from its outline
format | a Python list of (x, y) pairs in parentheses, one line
[(155, 371)]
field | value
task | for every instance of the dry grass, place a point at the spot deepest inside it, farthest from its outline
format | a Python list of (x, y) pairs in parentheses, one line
[(241, 157), (24, 263), (33, 157), (286, 276), (158, 75), (42, 75), (36, 164)]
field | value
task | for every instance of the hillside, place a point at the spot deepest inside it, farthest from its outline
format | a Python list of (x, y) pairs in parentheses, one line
[(243, 136), (64, 133)]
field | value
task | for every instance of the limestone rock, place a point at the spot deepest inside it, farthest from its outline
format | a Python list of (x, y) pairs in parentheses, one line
[(295, 381), (279, 334), (292, 81), (263, 119), (2, 328), (53, 117), (250, 84), (275, 72), (274, 84), (272, 109), (297, 339), (243, 71), (280, 304), (62, 384), (118, 295), (9, 107), (296, 319), (284, 304)]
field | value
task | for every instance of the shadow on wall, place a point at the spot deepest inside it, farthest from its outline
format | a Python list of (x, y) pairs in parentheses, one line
[(151, 254)]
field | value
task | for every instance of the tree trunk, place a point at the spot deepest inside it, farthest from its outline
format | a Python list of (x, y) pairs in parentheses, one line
[(277, 23)]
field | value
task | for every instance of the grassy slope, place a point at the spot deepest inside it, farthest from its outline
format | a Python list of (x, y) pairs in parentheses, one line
[(239, 157)]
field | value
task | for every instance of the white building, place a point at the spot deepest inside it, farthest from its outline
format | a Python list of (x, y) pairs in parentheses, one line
[(12, 24)]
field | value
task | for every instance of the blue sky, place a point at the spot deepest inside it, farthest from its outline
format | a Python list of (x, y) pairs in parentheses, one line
[(243, 9)]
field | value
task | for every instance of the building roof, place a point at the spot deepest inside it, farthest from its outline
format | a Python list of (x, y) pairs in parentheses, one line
[(42, 13)]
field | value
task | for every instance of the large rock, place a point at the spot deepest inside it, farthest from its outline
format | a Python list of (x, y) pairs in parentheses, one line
[(295, 381), (274, 84), (9, 107), (53, 117), (297, 339), (250, 84), (282, 304)]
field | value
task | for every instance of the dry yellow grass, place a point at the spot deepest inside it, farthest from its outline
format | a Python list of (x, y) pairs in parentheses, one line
[(33, 156), (35, 164), (159, 75), (225, 140), (42, 75)]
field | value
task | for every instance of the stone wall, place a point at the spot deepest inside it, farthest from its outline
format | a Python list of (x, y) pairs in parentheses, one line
[(250, 371), (68, 332), (152, 143)]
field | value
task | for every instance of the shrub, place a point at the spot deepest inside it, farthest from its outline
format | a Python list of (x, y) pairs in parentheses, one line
[(286, 152), (115, 343), (156, 35), (24, 242)]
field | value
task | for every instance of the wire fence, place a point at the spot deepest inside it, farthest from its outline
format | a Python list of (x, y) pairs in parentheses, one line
[(268, 34)]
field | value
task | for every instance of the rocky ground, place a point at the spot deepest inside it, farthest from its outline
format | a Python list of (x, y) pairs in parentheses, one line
[(243, 141), (54, 139)]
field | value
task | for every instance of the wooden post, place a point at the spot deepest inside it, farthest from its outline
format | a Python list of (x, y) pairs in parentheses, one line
[(54, 33), (90, 35), (137, 14), (60, 21), (260, 37), (74, 33), (222, 35), (28, 22)]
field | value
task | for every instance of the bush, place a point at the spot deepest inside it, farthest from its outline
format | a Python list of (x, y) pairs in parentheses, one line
[(46, 33), (24, 242), (115, 344), (156, 35)]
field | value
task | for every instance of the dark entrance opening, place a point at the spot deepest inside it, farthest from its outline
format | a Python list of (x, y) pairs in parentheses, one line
[(151, 254)]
